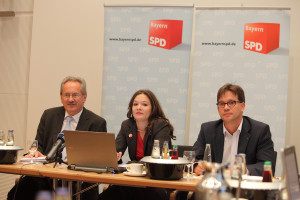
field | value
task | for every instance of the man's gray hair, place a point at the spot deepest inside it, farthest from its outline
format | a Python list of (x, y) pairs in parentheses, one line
[(76, 79)]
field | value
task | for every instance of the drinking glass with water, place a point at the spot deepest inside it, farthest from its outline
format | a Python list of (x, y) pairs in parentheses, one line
[(2, 138)]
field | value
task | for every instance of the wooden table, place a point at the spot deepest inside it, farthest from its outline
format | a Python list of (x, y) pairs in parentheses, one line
[(61, 172)]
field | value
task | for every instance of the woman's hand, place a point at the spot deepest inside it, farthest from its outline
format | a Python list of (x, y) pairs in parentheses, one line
[(119, 155), (35, 155)]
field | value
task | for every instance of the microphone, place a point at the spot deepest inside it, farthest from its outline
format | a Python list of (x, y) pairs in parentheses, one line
[(61, 148), (60, 140)]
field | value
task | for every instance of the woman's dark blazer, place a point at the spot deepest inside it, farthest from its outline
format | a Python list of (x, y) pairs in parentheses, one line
[(127, 137)]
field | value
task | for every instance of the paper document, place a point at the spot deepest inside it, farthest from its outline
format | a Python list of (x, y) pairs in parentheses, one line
[(39, 159)]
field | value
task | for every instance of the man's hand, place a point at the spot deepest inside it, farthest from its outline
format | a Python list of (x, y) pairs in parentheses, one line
[(199, 169)]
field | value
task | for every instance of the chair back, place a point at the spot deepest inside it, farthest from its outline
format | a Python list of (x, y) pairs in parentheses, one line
[(274, 162), (182, 148)]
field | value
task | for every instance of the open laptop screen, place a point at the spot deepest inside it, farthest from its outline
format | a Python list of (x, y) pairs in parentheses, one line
[(88, 150), (291, 172)]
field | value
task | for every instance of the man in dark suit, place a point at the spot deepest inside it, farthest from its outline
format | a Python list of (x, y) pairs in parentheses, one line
[(234, 134), (73, 95)]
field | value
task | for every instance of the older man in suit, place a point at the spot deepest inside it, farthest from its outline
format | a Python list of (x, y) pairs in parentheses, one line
[(73, 95), (235, 133)]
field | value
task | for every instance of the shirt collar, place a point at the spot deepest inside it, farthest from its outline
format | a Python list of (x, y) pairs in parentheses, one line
[(75, 117), (239, 130)]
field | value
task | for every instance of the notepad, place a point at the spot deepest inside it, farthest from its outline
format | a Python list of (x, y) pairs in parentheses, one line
[(35, 160)]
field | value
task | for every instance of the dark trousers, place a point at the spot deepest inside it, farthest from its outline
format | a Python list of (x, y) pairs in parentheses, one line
[(28, 187), (133, 193)]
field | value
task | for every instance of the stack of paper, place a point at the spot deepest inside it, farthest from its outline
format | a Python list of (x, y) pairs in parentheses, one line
[(39, 159)]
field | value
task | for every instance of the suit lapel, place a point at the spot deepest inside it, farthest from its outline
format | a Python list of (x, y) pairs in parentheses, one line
[(219, 143), (81, 126), (146, 138), (59, 120), (133, 141), (244, 136)]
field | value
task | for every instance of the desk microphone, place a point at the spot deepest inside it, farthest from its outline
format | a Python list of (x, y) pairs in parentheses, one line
[(60, 140), (61, 148)]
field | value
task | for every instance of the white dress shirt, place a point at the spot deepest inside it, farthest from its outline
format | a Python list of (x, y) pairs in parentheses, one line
[(73, 125), (74, 122), (231, 143)]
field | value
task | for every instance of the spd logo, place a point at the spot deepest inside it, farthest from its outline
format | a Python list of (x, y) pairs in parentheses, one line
[(165, 33), (261, 37)]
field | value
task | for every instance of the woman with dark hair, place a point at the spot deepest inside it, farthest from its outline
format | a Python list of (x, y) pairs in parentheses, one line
[(146, 122)]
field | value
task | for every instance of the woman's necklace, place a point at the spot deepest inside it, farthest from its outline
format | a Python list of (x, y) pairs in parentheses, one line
[(141, 131)]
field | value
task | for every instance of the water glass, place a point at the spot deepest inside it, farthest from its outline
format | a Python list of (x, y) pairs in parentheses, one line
[(2, 138), (10, 138), (32, 148), (190, 156)]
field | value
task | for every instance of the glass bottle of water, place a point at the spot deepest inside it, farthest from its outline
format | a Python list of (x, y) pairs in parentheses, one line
[(156, 149), (207, 153), (224, 185), (244, 166), (207, 188), (237, 169), (10, 138), (213, 186)]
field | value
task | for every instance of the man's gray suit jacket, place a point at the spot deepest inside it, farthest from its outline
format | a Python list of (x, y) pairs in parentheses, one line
[(255, 141)]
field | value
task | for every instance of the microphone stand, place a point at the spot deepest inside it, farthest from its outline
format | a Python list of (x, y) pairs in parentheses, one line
[(58, 157)]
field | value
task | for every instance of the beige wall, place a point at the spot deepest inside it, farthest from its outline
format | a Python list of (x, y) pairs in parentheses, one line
[(15, 42), (67, 39)]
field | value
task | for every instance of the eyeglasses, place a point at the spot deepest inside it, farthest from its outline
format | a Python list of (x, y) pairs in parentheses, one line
[(229, 104), (74, 96)]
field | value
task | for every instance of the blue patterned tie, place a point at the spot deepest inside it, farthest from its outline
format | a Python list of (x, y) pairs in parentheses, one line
[(67, 127), (68, 124)]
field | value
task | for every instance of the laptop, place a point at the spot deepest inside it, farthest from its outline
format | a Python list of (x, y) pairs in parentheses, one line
[(91, 151), (290, 172)]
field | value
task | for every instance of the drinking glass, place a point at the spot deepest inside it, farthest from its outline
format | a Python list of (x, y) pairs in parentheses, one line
[(2, 138), (32, 148), (190, 156)]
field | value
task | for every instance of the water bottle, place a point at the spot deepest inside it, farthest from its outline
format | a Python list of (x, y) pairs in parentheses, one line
[(207, 153), (213, 186), (2, 138), (224, 185), (208, 186), (237, 169), (156, 149), (244, 166), (10, 138), (224, 190)]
